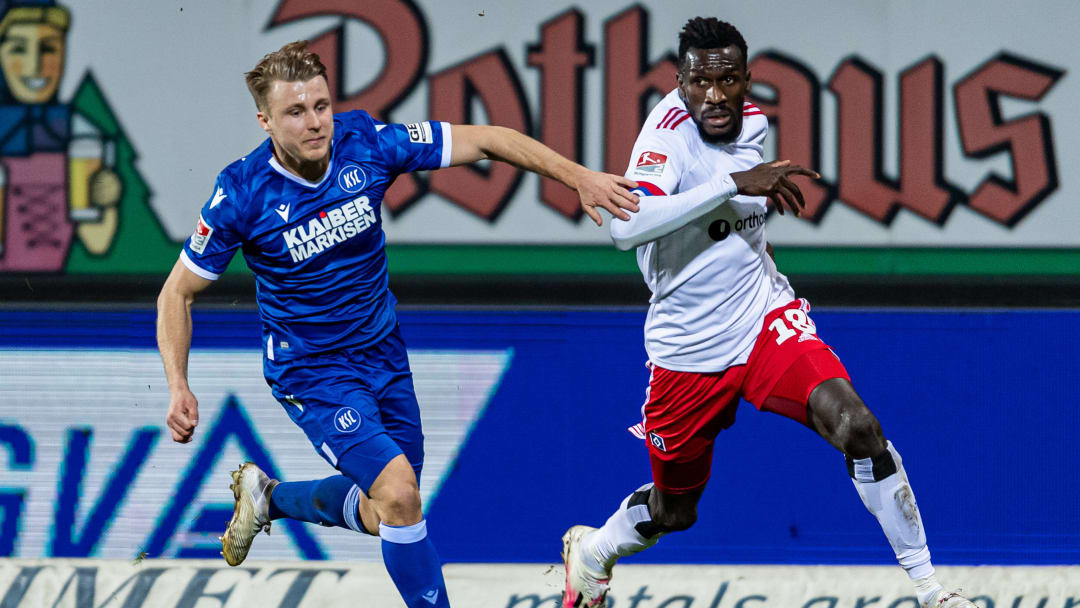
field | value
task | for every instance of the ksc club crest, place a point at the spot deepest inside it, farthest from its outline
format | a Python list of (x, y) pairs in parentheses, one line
[(347, 420), (351, 178)]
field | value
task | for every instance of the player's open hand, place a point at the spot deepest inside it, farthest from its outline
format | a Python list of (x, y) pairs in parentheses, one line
[(774, 181), (183, 415), (612, 192)]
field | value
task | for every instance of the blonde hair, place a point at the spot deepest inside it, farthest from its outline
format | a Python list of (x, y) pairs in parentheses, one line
[(291, 63), (56, 16)]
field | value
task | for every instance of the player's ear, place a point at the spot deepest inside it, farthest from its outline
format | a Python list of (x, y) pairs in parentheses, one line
[(264, 120), (679, 80)]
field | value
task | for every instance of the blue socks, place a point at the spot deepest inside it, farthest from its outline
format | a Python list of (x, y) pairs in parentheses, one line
[(414, 565), (407, 551), (327, 502)]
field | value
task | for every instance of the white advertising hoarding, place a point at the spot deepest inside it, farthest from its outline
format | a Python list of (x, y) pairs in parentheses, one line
[(933, 124), (74, 583)]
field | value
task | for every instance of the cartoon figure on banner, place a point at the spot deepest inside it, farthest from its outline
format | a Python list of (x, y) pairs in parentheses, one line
[(56, 168)]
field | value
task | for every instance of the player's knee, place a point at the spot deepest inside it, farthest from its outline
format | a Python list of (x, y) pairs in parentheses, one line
[(863, 437), (398, 504)]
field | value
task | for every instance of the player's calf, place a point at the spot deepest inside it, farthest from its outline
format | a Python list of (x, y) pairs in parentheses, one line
[(669, 512), (332, 502), (883, 485), (407, 551), (591, 554)]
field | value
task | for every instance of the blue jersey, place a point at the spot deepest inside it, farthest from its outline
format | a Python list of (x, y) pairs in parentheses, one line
[(316, 249)]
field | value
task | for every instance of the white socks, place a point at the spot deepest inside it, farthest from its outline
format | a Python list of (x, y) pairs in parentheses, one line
[(881, 482), (883, 486), (620, 535), (404, 535), (926, 589)]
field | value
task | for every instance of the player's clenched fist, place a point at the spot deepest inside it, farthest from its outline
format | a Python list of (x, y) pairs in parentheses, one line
[(183, 415), (774, 181)]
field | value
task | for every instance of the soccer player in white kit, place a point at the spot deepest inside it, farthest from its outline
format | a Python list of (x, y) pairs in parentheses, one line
[(723, 323)]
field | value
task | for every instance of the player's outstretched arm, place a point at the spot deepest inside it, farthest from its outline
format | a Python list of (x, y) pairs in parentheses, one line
[(174, 343), (662, 215), (611, 192)]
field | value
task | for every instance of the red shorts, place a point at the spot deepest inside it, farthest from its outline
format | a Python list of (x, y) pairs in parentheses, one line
[(686, 410)]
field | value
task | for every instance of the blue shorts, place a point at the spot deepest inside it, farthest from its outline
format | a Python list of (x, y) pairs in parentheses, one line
[(359, 398)]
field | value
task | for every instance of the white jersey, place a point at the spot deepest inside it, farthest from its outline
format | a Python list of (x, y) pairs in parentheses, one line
[(712, 281)]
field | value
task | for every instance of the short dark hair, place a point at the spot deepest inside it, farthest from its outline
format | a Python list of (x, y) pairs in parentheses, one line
[(709, 33)]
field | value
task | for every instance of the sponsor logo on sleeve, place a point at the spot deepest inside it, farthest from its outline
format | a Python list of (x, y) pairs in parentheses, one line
[(650, 164), (201, 236), (420, 133)]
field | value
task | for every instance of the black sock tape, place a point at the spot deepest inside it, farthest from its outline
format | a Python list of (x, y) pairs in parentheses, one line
[(647, 529), (883, 465)]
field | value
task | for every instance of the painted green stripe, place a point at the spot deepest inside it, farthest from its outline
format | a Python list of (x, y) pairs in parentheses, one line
[(602, 260), (510, 259), (928, 261), (605, 260)]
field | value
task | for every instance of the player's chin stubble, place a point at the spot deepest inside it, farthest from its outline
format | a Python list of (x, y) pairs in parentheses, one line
[(723, 138)]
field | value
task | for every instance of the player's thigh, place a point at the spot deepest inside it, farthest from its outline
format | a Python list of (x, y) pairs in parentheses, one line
[(788, 362), (335, 408), (683, 414), (385, 366), (368, 461), (401, 417)]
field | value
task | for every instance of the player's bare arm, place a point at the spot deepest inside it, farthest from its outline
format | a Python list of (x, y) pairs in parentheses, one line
[(610, 192), (174, 343), (774, 181)]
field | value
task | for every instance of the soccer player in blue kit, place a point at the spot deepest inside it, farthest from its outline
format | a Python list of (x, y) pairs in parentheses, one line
[(305, 209)]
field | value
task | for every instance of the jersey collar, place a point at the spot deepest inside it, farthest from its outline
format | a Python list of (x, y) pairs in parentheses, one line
[(296, 178)]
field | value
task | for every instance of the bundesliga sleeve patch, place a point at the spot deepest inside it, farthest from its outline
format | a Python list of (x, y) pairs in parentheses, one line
[(650, 164), (420, 133), (201, 236)]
